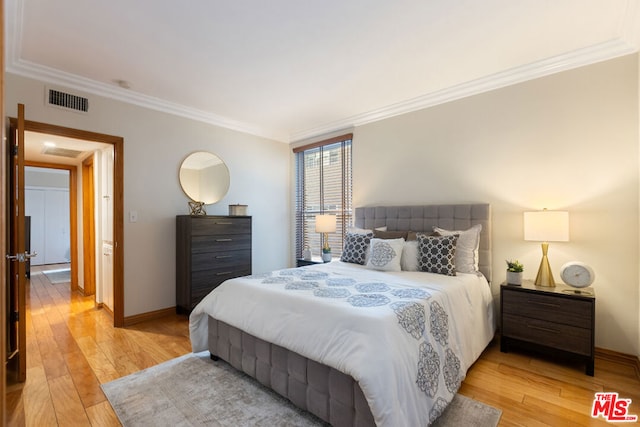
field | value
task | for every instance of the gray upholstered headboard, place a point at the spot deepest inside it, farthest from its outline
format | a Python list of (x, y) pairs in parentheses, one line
[(423, 218)]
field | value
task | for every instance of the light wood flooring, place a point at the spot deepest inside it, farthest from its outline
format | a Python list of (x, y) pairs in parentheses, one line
[(73, 348)]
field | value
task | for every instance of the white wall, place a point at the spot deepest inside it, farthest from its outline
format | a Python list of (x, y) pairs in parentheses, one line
[(568, 141), (154, 146)]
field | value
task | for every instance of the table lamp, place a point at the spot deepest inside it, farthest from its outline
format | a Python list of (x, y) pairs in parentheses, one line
[(326, 224), (546, 226)]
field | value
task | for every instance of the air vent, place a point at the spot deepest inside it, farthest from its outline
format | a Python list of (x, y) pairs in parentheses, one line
[(61, 152), (66, 100)]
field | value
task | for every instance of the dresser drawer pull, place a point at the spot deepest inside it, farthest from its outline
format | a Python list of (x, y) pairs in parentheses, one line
[(224, 273), (224, 240), (546, 304), (540, 328), (223, 256), (224, 223)]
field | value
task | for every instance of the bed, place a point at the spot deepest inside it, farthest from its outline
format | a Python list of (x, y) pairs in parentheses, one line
[(356, 344)]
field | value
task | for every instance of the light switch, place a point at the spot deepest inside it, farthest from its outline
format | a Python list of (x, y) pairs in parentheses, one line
[(133, 216)]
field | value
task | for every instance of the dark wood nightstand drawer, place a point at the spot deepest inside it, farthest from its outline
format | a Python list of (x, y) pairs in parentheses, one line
[(554, 309), (563, 337)]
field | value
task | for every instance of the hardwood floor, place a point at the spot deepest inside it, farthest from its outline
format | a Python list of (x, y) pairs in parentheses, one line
[(72, 349)]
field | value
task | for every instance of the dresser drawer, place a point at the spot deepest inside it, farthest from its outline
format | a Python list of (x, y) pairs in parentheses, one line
[(208, 226), (550, 308), (221, 260), (220, 242), (208, 279), (559, 336)]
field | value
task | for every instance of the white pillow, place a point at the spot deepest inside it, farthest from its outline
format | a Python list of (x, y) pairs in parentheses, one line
[(385, 254), (467, 256), (409, 261)]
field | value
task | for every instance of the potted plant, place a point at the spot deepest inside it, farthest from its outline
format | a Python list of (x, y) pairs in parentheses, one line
[(514, 272), (326, 254)]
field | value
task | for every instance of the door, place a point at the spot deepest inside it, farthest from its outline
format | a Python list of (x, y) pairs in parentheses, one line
[(107, 275), (16, 268), (107, 227)]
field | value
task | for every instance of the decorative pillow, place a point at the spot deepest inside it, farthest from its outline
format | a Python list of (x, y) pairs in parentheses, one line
[(355, 247), (467, 247), (436, 254), (379, 234), (385, 254), (409, 261), (413, 235)]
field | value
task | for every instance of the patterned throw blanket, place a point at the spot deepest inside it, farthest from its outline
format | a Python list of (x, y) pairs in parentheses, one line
[(403, 336)]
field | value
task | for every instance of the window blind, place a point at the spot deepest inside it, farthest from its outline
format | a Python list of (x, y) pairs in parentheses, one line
[(323, 186)]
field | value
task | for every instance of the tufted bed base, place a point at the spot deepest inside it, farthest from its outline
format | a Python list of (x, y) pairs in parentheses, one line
[(325, 392)]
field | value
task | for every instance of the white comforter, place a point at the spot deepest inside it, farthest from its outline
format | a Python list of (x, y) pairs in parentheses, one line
[(408, 338)]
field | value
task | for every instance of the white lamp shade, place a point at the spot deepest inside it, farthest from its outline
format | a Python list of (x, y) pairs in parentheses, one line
[(546, 226), (325, 223)]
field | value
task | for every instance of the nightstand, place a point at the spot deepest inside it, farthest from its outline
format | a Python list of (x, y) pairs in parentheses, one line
[(302, 262), (557, 318)]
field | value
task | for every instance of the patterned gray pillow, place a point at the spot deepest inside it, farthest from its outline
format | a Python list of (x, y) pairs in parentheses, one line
[(355, 247), (436, 254)]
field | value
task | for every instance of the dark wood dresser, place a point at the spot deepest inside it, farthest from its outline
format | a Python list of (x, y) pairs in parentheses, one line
[(558, 318), (209, 250)]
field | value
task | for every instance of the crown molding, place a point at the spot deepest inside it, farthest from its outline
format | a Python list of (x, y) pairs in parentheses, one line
[(575, 59), (72, 81)]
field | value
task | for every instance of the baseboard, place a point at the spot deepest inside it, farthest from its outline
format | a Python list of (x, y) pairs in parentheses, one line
[(137, 318), (621, 358), (106, 308)]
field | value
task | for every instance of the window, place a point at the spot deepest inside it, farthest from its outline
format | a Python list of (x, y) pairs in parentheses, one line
[(323, 186)]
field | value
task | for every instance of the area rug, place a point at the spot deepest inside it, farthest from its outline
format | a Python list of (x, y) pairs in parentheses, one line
[(62, 275), (192, 390)]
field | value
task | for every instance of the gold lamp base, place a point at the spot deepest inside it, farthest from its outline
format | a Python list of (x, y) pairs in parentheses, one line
[(326, 247), (544, 276)]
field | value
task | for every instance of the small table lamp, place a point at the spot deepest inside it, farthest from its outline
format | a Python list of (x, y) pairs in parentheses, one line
[(546, 226), (326, 224)]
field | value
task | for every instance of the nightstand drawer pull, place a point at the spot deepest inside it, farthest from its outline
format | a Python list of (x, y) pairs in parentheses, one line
[(540, 328), (546, 304), (224, 273), (224, 240), (224, 223), (223, 256)]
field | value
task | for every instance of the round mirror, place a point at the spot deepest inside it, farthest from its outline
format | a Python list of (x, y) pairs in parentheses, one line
[(204, 177)]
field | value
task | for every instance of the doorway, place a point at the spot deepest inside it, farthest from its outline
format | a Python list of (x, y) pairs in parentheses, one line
[(46, 200), (116, 257)]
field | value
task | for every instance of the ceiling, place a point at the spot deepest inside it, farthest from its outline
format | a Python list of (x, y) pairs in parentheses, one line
[(291, 70), (43, 148)]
